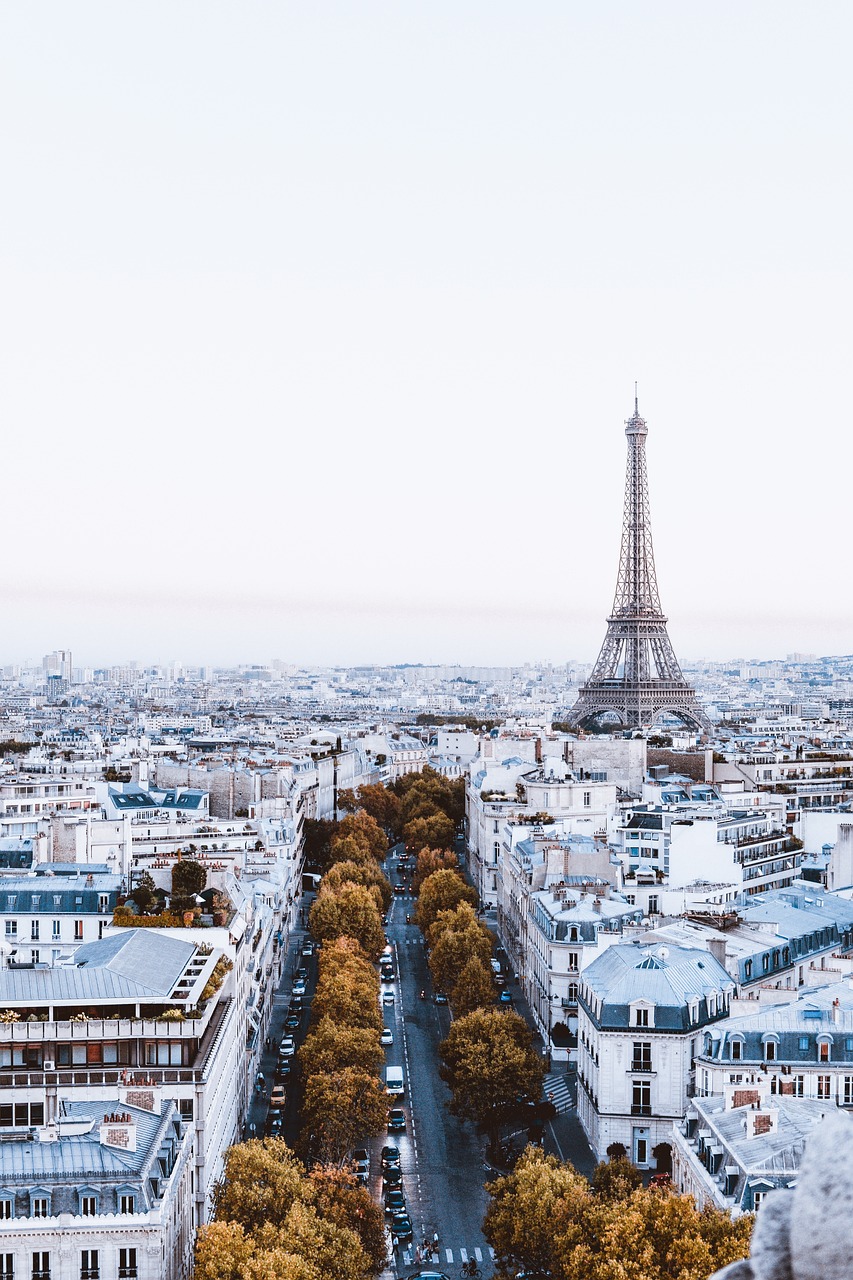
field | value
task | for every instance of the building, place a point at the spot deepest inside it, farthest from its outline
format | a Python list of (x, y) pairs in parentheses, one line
[(104, 1190), (46, 916), (730, 1150), (641, 1014)]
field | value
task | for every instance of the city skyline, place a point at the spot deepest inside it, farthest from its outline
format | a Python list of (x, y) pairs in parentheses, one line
[(320, 328)]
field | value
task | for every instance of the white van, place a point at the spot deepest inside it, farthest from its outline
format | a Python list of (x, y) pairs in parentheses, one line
[(394, 1086)]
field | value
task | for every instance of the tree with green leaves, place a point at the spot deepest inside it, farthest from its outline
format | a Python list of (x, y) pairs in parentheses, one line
[(144, 891), (188, 878), (442, 891), (616, 1179), (490, 1064)]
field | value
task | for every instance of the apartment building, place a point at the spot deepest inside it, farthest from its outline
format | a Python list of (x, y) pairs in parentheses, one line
[(44, 917)]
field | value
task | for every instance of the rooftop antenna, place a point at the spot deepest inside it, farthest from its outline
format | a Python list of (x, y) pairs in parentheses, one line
[(636, 402)]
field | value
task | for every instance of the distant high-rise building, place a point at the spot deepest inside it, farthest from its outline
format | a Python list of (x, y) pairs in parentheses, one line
[(636, 676), (58, 663)]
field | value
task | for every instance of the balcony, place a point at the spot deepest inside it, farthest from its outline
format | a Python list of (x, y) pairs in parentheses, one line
[(644, 1067), (641, 1109)]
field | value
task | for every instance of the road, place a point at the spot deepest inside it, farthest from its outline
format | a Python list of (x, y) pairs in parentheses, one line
[(441, 1158)]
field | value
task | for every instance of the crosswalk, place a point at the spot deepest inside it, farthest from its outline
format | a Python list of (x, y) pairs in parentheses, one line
[(447, 1256), (556, 1090)]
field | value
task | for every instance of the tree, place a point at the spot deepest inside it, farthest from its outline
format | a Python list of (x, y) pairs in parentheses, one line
[(347, 989), (330, 1046), (339, 1199), (350, 849), (436, 830), (260, 1182), (382, 805), (545, 1217), (340, 1110), (455, 937), (353, 911), (188, 878), (366, 873), (489, 1062), (429, 861), (348, 801), (365, 828), (442, 891), (616, 1179), (474, 989), (318, 836), (144, 891)]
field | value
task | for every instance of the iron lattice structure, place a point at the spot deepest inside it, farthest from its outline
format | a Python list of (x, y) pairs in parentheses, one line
[(636, 675)]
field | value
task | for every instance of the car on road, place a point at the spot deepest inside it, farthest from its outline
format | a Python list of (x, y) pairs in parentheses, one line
[(287, 1048), (505, 997), (396, 1120), (292, 1021), (387, 973), (399, 888), (390, 1157), (387, 997), (428, 1275), (278, 1097), (275, 1128), (392, 1177), (387, 1036), (299, 987), (308, 947), (401, 1226), (283, 1069), (439, 998), (395, 1202)]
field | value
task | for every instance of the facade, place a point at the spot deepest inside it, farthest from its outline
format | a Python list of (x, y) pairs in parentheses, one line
[(104, 1190), (45, 917), (802, 1049), (641, 1015), (140, 1006)]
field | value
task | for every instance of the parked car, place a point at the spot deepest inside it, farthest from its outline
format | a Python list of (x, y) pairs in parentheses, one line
[(282, 1071), (387, 997), (391, 1177), (275, 1128), (278, 1097), (287, 1048), (395, 1202), (505, 997), (428, 1275), (396, 1120), (299, 987), (361, 1162), (401, 1226), (390, 1157), (292, 1021), (308, 947), (440, 998), (387, 1036)]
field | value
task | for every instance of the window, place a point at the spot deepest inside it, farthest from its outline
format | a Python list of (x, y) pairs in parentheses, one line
[(587, 799), (41, 1206), (573, 993), (736, 1048), (641, 1098), (848, 1091), (642, 1059), (127, 1264), (823, 1051), (642, 1018), (6, 1208), (89, 1206), (824, 1086), (89, 1268), (804, 1044), (799, 1086), (34, 931), (573, 962), (35, 957), (11, 928), (765, 963), (78, 937), (770, 1051), (7, 1266), (127, 1204), (41, 1265), (747, 969), (57, 925)]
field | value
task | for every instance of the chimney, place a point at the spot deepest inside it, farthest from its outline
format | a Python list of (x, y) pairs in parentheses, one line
[(538, 751), (118, 1129), (717, 948), (836, 1010)]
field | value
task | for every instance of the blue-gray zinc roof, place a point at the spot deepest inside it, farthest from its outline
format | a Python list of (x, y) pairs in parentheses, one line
[(667, 977)]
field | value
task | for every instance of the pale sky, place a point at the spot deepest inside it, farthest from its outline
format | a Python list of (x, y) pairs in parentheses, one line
[(320, 323)]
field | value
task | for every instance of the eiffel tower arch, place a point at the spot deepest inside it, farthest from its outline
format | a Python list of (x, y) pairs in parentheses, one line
[(636, 677)]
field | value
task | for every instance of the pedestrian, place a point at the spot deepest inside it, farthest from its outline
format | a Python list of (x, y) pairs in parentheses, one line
[(435, 1243), (395, 1243), (418, 1256)]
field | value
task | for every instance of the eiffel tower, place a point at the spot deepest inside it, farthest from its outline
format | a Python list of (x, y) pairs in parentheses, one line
[(636, 675)]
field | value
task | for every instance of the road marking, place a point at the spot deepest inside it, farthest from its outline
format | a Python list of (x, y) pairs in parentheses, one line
[(463, 1254), (557, 1142), (478, 1254), (449, 1253)]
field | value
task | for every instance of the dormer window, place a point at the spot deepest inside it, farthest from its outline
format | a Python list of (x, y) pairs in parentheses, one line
[(642, 1015), (39, 1203), (736, 1050), (824, 1049)]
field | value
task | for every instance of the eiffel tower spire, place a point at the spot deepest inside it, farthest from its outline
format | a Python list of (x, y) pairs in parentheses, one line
[(636, 675)]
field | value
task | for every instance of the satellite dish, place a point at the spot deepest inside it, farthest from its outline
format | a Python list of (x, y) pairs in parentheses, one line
[(663, 952)]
